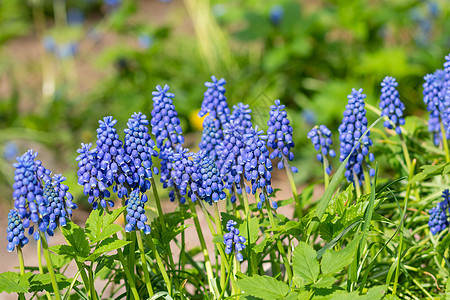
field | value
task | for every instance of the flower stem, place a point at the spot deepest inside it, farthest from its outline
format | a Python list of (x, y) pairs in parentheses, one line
[(160, 264), (222, 256), (402, 221), (405, 151), (445, 142), (356, 183), (244, 195), (298, 204), (326, 177), (279, 245), (22, 268), (205, 252), (148, 283), (41, 269), (51, 271)]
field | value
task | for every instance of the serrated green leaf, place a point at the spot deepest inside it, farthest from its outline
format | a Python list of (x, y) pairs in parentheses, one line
[(107, 232), (107, 245), (42, 282), (325, 282), (375, 293), (263, 287), (429, 171), (305, 263), (94, 224), (250, 230), (76, 237), (112, 216), (11, 282), (334, 261)]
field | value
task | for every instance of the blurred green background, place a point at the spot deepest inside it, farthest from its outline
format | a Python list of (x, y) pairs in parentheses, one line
[(66, 64)]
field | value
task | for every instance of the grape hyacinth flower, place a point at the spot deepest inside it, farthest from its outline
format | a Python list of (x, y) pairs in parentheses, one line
[(208, 185), (446, 95), (27, 194), (15, 231), (136, 217), (242, 115), (439, 214), (214, 101), (233, 157), (165, 122), (258, 166), (433, 97), (90, 177), (320, 137), (280, 135), (180, 169), (233, 240), (139, 148), (390, 104), (354, 125), (212, 136)]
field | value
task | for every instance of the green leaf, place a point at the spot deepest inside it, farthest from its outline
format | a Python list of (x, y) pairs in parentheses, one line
[(250, 230), (334, 261), (41, 282), (94, 224), (263, 287), (76, 237), (218, 239), (107, 232), (305, 264), (430, 171), (375, 293), (11, 282), (107, 245), (112, 216), (447, 289), (325, 282)]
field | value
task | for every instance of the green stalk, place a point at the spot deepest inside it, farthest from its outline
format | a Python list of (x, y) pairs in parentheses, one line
[(162, 220), (148, 283), (405, 151), (368, 187), (127, 272), (205, 252), (160, 264), (298, 204), (132, 252), (445, 143), (244, 195), (222, 255), (408, 191), (51, 271), (279, 245), (41, 269), (91, 281), (22, 268), (356, 183), (326, 177)]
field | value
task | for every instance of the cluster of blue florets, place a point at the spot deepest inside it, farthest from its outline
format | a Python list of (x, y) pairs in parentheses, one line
[(439, 214), (214, 101), (136, 217), (354, 125), (233, 240), (15, 232), (180, 167), (258, 166), (212, 136), (209, 184), (321, 139), (39, 199), (390, 104), (279, 135), (242, 115)]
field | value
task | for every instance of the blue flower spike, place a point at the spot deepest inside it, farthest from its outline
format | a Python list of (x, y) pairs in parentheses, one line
[(390, 104), (320, 137), (439, 215), (214, 101), (234, 241), (136, 217), (242, 115), (280, 135), (209, 184), (354, 125), (434, 99), (15, 232)]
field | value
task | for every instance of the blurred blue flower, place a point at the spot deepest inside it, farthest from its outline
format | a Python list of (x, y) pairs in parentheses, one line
[(10, 151), (145, 41), (219, 10), (276, 14), (75, 16), (309, 116)]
